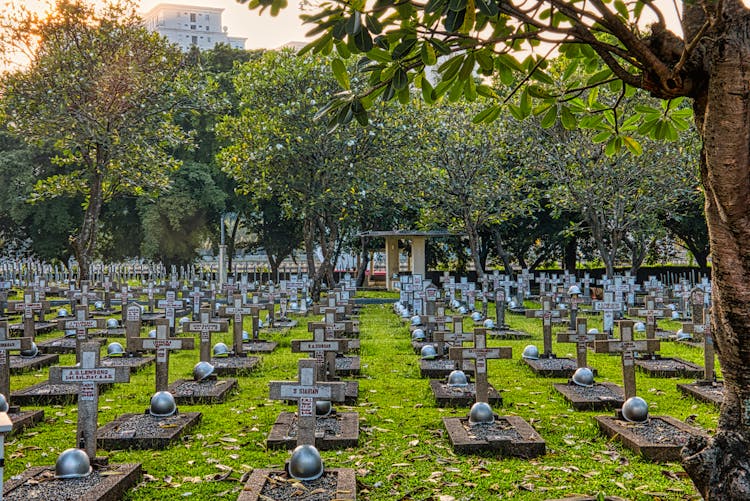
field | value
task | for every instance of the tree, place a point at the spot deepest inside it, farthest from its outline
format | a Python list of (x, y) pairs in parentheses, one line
[(709, 65), (102, 91)]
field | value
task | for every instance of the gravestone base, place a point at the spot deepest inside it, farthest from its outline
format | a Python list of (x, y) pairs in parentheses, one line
[(348, 366), (266, 484), (233, 366), (447, 396), (259, 346), (507, 436), (601, 396), (508, 334), (441, 367), (208, 391), (19, 364), (107, 483), (105, 313), (64, 345), (46, 393), (553, 367), (669, 367), (24, 419), (134, 363), (39, 327), (663, 335), (144, 431), (285, 323), (659, 439), (711, 392), (335, 431), (113, 332)]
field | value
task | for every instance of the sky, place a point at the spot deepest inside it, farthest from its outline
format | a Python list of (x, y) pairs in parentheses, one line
[(262, 31)]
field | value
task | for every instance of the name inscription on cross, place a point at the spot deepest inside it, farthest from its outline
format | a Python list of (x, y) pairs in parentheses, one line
[(6, 345), (480, 353), (306, 391), (323, 349), (608, 306), (88, 375), (627, 346), (237, 312), (81, 324), (196, 297), (547, 313), (28, 306), (581, 338), (170, 303), (205, 327), (162, 344)]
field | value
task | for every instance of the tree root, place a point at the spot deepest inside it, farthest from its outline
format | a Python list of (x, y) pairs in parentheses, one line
[(718, 466)]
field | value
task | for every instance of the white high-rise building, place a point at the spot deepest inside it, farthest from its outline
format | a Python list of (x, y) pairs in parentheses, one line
[(186, 25)]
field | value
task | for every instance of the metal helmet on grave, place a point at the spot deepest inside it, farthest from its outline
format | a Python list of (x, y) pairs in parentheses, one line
[(31, 352), (583, 376), (72, 463), (70, 333), (639, 327), (221, 350), (675, 315), (635, 410), (115, 349), (62, 312), (683, 336), (245, 336), (4, 403), (530, 352), (512, 304), (463, 310), (112, 323), (202, 370), (98, 305), (457, 378), (481, 413), (418, 335), (162, 404), (574, 290), (476, 316), (323, 408), (428, 352), (488, 323), (305, 463), (416, 320), (593, 330)]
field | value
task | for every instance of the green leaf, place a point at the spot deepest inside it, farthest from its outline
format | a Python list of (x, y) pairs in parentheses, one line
[(428, 54), (525, 103), (488, 7), (379, 55), (434, 6), (354, 24), (403, 49), (404, 96), (449, 69), (454, 20), (567, 119), (611, 147), (427, 91), (622, 9), (363, 40), (373, 24), (602, 136), (467, 67), (339, 72), (400, 79), (550, 117), (632, 145), (486, 91), (483, 115)]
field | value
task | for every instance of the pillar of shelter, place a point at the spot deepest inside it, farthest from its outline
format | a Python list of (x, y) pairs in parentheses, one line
[(418, 260), (391, 260)]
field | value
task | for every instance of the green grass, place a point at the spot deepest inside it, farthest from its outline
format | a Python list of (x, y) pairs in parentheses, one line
[(403, 451)]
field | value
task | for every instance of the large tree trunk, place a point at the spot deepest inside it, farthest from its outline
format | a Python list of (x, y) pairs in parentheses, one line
[(84, 243), (720, 466)]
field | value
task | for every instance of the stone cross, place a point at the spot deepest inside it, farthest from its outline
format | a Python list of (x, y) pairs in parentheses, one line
[(150, 290), (205, 327), (457, 338), (306, 391), (608, 306), (323, 349), (132, 323), (170, 304), (196, 295), (627, 346), (123, 296), (81, 324), (107, 286), (7, 344), (88, 375), (237, 312), (500, 309), (547, 313), (162, 344), (651, 313), (82, 297), (580, 337), (28, 306), (586, 282), (480, 354)]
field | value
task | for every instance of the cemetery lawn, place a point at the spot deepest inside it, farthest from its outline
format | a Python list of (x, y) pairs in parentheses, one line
[(404, 452)]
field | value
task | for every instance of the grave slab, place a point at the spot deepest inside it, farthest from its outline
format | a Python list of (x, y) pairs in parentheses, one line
[(24, 419), (711, 392), (441, 367), (552, 367), (507, 436), (259, 346), (285, 324), (659, 439), (233, 366), (267, 484), (144, 431), (20, 364), (46, 393), (447, 396), (135, 363), (108, 483), (601, 396), (339, 430), (39, 327), (209, 391), (508, 334), (669, 367), (64, 345), (348, 366)]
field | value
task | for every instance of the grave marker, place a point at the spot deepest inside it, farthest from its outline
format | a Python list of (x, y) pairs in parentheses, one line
[(81, 325), (480, 353), (547, 313), (162, 344), (205, 327), (581, 338)]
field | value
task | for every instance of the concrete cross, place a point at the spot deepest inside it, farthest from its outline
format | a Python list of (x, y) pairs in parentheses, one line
[(608, 306), (480, 354), (123, 297), (107, 286), (151, 290), (651, 312), (162, 344), (500, 308), (237, 312), (196, 297), (6, 345), (28, 306), (627, 347), (83, 296), (580, 337), (547, 313), (306, 391), (88, 375), (323, 349), (81, 324), (170, 304), (205, 327)]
